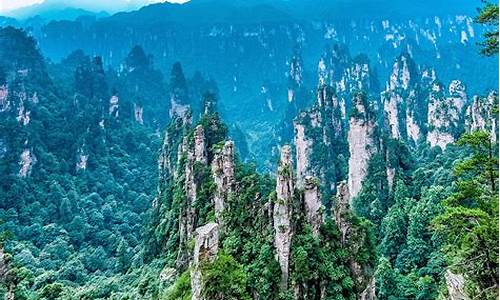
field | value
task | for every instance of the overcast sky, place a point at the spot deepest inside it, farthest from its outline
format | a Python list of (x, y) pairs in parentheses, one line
[(108, 5)]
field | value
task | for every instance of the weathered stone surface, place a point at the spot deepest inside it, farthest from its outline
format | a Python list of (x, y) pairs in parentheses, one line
[(27, 161), (82, 159), (455, 283), (113, 106), (223, 175), (200, 150), (312, 203), (444, 113), (282, 211), (303, 147), (138, 113), (479, 115), (369, 292), (341, 208), (195, 153), (205, 250), (361, 146)]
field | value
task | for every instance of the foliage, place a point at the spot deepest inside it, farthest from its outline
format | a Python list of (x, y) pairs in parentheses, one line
[(488, 15)]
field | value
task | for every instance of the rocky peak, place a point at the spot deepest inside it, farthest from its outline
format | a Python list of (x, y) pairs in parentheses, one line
[(294, 75), (312, 202), (200, 150), (341, 208), (444, 113), (138, 113), (194, 153), (27, 161), (282, 212), (303, 148), (205, 250), (361, 143), (223, 175), (401, 75), (332, 65), (4, 96), (480, 116), (400, 100), (113, 107), (179, 96), (82, 159)]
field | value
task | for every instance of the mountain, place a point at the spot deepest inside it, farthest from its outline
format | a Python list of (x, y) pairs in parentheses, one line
[(248, 46), (249, 150)]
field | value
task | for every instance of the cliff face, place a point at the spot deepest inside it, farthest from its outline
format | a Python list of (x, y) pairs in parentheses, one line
[(205, 251), (444, 113), (303, 148), (282, 212), (352, 238), (361, 144), (312, 203), (195, 155), (401, 101), (223, 175), (480, 116)]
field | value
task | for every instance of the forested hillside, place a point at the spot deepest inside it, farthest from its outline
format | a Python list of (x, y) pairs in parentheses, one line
[(358, 175)]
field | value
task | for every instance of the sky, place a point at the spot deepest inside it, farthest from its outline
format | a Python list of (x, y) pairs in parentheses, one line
[(7, 6)]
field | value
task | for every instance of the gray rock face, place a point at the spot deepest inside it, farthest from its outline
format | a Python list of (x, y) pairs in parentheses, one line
[(353, 239), (444, 113), (303, 147), (455, 283), (4, 96), (282, 211), (400, 100), (114, 106), (26, 162), (200, 151), (223, 175), (312, 203), (361, 146), (369, 292), (195, 153), (82, 159), (205, 250), (138, 113), (341, 208), (479, 115)]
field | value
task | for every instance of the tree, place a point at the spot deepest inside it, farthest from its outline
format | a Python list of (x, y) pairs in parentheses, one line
[(488, 15), (224, 279), (469, 225)]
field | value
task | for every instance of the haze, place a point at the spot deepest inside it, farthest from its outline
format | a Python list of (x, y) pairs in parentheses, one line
[(9, 7)]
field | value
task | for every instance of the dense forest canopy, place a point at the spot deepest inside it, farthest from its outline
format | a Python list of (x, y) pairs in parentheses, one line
[(150, 173)]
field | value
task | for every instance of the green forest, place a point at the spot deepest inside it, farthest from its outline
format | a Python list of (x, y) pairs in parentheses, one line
[(128, 181)]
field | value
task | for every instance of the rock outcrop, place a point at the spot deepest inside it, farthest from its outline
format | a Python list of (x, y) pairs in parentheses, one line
[(455, 283), (223, 175), (82, 159), (303, 148), (195, 154), (352, 238), (312, 203), (4, 97), (361, 143), (27, 161), (138, 113), (205, 250), (401, 101), (282, 212), (341, 209), (444, 113), (113, 106), (480, 115)]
